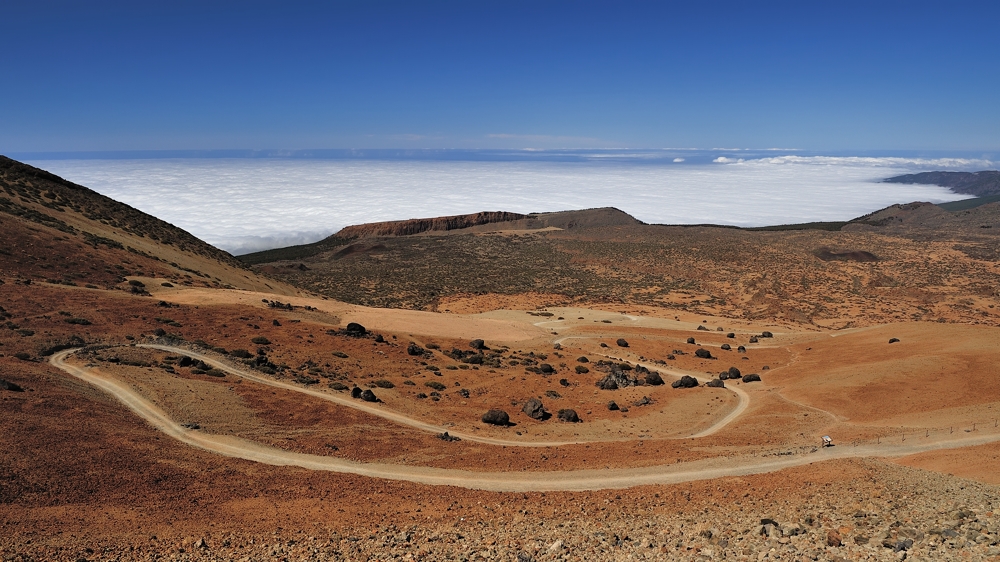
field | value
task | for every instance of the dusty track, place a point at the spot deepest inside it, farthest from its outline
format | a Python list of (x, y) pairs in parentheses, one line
[(572, 480)]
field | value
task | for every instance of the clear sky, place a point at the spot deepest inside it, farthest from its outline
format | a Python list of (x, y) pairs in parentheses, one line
[(839, 75)]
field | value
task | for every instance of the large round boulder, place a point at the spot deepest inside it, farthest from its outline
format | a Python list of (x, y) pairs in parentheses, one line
[(355, 330), (496, 417), (621, 342), (568, 415), (703, 353), (751, 378), (686, 381), (534, 409), (690, 341), (369, 396), (653, 378), (716, 383)]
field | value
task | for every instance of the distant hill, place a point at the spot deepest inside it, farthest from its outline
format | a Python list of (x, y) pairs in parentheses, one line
[(487, 221), (980, 184)]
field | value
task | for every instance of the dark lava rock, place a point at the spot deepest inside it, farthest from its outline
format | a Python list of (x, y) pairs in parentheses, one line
[(734, 373), (731, 335), (612, 406), (703, 353), (621, 342), (185, 361), (616, 379), (369, 396), (766, 335), (414, 349), (275, 322), (379, 339), (726, 347), (568, 415), (355, 330), (564, 382), (724, 375), (604, 344), (7, 385), (445, 437), (690, 341), (751, 378), (643, 401), (581, 370), (685, 382), (893, 340), (670, 357), (753, 339), (653, 378), (702, 328), (496, 417), (477, 344), (159, 332), (355, 392), (557, 346), (741, 349), (716, 383), (534, 409), (546, 369), (583, 360)]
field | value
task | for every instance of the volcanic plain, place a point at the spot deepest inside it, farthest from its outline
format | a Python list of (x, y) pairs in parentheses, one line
[(571, 386)]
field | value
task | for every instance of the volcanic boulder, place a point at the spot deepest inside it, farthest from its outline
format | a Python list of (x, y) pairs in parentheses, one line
[(716, 383), (534, 409), (496, 417), (477, 344), (690, 341), (653, 378), (751, 378), (414, 349), (369, 396), (7, 385), (355, 330), (621, 342), (568, 415), (686, 381), (703, 353)]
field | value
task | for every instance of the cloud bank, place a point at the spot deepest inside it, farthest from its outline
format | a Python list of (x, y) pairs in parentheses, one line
[(245, 205)]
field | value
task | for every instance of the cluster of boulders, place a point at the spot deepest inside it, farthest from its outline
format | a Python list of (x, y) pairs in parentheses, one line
[(367, 395)]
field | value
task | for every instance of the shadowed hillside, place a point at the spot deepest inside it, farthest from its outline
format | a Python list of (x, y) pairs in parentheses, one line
[(980, 184)]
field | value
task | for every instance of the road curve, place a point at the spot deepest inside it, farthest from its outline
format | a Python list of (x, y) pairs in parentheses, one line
[(569, 480)]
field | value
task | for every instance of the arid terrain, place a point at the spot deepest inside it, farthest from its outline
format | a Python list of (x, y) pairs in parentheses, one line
[(563, 386)]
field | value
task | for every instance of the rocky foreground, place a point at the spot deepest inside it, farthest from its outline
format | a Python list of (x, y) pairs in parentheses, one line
[(888, 513)]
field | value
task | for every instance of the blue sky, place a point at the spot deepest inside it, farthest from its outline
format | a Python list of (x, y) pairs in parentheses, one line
[(822, 76)]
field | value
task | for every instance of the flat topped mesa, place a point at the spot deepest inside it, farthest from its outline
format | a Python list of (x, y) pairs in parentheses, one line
[(416, 226)]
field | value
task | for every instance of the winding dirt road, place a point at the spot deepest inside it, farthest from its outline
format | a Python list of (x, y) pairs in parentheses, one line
[(570, 480)]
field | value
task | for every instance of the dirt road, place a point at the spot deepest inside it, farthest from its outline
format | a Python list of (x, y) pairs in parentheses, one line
[(571, 480)]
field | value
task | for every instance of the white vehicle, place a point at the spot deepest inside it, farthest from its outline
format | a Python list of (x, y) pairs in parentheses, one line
[(827, 441)]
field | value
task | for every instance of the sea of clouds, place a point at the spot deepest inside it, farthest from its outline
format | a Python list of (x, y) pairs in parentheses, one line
[(244, 205)]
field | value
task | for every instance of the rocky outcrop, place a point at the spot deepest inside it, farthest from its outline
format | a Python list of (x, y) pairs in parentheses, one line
[(416, 226), (534, 409)]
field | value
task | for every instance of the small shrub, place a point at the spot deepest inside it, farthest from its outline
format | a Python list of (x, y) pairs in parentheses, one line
[(382, 383), (435, 385), (168, 285), (339, 386), (22, 356), (340, 354), (78, 321), (261, 340), (136, 283), (409, 383)]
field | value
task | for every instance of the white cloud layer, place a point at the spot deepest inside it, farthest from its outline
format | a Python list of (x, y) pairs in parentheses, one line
[(244, 205)]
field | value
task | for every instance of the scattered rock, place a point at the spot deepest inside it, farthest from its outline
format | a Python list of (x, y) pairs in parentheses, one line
[(751, 378), (546, 369), (644, 401), (445, 437), (734, 373), (582, 359), (477, 344), (565, 382), (557, 346), (355, 330), (568, 415), (612, 406), (766, 335), (369, 396), (275, 322), (893, 340), (604, 344), (621, 342), (753, 339), (496, 417), (690, 341), (731, 335), (716, 383), (7, 385), (726, 347), (534, 409), (581, 370), (703, 328), (741, 349), (414, 349), (703, 353), (686, 381), (355, 392), (833, 538), (653, 378)]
